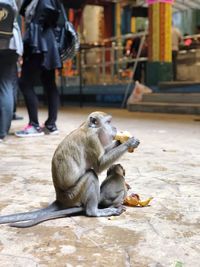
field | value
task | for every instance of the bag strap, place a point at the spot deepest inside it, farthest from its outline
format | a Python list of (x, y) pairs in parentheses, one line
[(63, 11)]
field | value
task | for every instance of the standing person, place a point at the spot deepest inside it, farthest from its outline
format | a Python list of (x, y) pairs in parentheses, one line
[(10, 50), (176, 40), (15, 93), (41, 58), (141, 65)]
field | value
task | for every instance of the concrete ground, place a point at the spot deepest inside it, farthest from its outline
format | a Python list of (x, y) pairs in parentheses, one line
[(165, 166)]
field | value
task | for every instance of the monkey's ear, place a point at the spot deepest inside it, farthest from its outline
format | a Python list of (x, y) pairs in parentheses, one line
[(93, 122)]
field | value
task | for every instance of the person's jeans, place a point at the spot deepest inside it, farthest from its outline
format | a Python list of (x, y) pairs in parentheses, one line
[(31, 71), (15, 80), (8, 61)]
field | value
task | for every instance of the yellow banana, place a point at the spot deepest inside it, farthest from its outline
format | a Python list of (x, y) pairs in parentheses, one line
[(122, 137), (145, 202)]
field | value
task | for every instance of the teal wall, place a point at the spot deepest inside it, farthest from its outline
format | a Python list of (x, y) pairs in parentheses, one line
[(187, 20), (126, 20), (141, 24)]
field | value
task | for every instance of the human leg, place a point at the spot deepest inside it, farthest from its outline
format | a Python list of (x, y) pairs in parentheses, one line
[(7, 64), (15, 93), (29, 74), (15, 86), (137, 76), (30, 71), (49, 84), (174, 64)]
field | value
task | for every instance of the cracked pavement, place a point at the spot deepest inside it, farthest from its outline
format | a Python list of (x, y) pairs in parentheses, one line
[(165, 166)]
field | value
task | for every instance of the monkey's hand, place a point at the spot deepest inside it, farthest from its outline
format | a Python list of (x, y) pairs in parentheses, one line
[(132, 142), (123, 136)]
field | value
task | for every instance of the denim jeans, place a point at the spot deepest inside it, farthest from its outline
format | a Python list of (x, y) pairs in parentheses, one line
[(8, 61)]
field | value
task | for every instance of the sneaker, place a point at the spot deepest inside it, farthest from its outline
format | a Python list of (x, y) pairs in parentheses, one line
[(31, 131), (50, 129)]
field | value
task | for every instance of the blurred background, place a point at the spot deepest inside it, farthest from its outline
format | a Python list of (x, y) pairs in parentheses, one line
[(123, 41)]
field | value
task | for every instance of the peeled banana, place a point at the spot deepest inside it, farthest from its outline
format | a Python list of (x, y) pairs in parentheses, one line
[(122, 137)]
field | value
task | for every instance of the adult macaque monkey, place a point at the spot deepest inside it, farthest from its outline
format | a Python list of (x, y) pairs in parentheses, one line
[(113, 189), (86, 151)]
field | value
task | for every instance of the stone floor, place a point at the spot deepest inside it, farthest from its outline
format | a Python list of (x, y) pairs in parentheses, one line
[(165, 166)]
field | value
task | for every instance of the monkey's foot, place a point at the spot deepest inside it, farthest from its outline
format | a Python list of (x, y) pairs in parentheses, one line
[(120, 210), (105, 212)]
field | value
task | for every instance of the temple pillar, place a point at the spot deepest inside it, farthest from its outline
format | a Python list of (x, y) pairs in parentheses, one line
[(118, 19), (159, 66), (133, 24)]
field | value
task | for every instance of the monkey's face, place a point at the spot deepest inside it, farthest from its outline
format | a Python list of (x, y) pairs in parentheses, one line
[(116, 169), (101, 122)]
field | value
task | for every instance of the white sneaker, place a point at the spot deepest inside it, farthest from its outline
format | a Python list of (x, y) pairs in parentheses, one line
[(30, 131)]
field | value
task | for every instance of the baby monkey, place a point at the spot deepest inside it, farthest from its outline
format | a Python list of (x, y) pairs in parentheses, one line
[(113, 189)]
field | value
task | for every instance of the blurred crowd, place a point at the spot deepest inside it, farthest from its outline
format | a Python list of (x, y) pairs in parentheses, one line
[(37, 55)]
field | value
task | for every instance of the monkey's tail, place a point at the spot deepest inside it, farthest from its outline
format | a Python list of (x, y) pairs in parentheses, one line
[(28, 215), (46, 217)]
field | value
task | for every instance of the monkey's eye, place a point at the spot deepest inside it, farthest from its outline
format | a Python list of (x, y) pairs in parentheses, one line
[(93, 122)]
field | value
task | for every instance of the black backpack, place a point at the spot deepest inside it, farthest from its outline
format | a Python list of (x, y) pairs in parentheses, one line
[(7, 16)]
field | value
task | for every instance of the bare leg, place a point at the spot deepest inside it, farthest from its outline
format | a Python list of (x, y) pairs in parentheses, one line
[(91, 200), (112, 202)]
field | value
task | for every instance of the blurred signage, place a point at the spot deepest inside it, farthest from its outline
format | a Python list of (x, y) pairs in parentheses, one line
[(150, 2)]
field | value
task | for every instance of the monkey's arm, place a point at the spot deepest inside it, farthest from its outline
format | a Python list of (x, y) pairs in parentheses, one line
[(110, 157), (114, 144)]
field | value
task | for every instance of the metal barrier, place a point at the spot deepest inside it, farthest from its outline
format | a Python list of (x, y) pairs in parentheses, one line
[(103, 64), (106, 63)]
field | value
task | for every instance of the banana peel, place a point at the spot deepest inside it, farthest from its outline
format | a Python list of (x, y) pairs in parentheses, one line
[(145, 202), (134, 201)]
